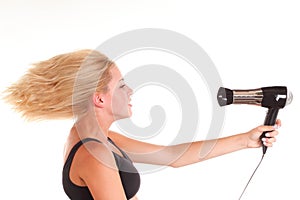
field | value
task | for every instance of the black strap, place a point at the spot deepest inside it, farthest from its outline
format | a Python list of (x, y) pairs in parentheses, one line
[(123, 153), (78, 144)]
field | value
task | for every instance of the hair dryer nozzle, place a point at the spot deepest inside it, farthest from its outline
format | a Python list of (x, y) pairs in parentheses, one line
[(225, 96)]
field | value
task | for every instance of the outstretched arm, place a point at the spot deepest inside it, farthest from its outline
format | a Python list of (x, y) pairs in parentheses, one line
[(189, 153)]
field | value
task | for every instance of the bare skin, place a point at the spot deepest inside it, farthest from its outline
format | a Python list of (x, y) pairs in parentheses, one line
[(94, 163)]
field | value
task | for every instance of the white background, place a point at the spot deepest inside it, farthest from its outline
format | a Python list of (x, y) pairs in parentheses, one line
[(252, 44)]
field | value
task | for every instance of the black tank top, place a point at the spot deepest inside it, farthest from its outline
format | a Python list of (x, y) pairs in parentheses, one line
[(128, 173)]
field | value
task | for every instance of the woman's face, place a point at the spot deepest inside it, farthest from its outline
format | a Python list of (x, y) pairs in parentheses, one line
[(119, 96)]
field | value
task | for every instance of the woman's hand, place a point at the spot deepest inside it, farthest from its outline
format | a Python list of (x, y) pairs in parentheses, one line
[(253, 139)]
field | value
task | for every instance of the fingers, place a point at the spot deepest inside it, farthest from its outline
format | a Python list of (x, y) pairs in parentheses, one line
[(272, 133), (271, 136), (268, 141)]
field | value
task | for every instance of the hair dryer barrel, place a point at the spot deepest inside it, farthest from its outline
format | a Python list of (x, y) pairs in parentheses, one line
[(269, 97)]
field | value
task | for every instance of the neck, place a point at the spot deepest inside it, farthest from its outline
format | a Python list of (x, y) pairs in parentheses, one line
[(93, 125)]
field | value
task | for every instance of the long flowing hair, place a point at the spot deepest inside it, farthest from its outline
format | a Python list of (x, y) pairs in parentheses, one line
[(60, 87)]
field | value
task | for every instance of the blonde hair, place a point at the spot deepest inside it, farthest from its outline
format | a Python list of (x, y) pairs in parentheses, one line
[(59, 88)]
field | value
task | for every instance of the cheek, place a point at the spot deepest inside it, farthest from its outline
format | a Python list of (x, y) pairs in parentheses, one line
[(118, 100)]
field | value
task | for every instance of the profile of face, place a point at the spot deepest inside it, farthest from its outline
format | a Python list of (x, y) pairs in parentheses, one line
[(118, 96)]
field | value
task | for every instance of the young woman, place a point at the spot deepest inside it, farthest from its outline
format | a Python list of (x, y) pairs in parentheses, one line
[(87, 86)]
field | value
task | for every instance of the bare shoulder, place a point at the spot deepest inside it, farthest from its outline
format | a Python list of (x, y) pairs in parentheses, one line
[(120, 138), (133, 146), (122, 141), (116, 136)]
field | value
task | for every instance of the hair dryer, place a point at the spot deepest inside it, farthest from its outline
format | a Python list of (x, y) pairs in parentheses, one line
[(273, 98)]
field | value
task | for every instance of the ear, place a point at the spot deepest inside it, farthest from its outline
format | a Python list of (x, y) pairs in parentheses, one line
[(98, 100)]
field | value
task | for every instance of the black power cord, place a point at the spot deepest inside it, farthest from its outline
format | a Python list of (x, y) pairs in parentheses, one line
[(252, 176)]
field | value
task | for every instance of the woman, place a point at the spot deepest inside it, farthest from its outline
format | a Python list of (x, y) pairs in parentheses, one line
[(87, 86)]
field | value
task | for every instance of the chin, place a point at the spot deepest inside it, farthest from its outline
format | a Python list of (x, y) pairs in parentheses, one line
[(128, 115), (124, 116)]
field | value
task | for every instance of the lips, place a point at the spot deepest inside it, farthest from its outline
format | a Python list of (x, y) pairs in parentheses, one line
[(129, 103)]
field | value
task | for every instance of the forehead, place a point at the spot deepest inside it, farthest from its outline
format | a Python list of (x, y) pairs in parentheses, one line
[(116, 74)]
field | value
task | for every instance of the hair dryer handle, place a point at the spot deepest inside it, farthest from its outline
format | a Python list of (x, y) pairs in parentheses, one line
[(270, 120)]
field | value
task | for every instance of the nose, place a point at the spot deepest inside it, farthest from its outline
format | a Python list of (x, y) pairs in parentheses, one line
[(130, 91)]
